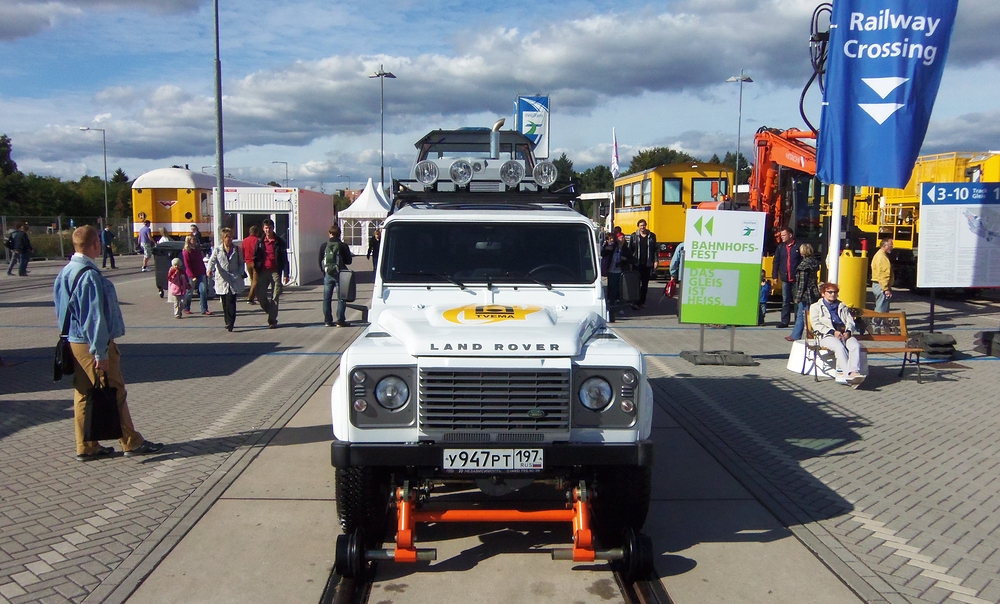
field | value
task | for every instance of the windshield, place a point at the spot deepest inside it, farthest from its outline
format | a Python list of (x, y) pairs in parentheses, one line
[(462, 253)]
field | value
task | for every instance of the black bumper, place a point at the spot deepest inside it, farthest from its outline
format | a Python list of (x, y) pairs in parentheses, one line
[(430, 455)]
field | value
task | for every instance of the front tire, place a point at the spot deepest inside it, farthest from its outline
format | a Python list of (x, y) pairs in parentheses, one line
[(363, 496), (621, 502)]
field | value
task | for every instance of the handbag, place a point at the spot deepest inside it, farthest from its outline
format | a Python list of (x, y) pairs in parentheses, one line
[(63, 361), (671, 289), (101, 419)]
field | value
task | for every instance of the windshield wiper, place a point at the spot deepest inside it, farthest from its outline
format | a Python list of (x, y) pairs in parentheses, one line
[(547, 284), (444, 276)]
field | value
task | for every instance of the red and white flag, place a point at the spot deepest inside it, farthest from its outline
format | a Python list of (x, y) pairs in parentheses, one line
[(615, 171)]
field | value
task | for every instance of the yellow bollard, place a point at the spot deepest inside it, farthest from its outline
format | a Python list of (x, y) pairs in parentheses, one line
[(853, 278)]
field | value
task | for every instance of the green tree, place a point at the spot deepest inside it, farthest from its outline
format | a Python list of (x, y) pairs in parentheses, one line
[(596, 179), (655, 157), (7, 165), (119, 176), (566, 172), (743, 174)]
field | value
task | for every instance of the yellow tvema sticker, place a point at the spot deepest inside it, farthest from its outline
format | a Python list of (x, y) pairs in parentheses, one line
[(490, 313)]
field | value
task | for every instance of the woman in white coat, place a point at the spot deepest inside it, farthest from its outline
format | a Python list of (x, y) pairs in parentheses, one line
[(227, 266), (835, 328)]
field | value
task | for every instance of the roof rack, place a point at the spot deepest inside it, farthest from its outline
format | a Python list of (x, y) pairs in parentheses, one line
[(403, 196)]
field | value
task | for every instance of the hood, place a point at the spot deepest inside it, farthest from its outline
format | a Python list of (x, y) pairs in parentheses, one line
[(493, 330)]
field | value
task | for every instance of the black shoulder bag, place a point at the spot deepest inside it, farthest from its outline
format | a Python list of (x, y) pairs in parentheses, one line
[(64, 354)]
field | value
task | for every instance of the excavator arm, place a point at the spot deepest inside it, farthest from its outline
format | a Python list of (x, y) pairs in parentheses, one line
[(776, 149)]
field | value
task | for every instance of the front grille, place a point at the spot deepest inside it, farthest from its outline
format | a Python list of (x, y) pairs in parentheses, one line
[(478, 186), (494, 401)]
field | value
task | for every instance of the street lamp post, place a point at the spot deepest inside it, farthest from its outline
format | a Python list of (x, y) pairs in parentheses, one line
[(348, 177), (739, 126), (104, 140), (286, 170), (381, 74)]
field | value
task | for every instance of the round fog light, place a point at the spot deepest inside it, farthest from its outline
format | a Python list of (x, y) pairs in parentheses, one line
[(511, 173), (460, 172), (360, 405), (426, 172), (628, 406)]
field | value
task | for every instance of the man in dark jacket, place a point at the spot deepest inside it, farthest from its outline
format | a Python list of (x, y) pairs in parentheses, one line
[(786, 261), (21, 251), (107, 238), (643, 243), (270, 260)]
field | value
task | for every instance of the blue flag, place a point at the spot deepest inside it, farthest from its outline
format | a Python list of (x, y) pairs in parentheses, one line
[(883, 71)]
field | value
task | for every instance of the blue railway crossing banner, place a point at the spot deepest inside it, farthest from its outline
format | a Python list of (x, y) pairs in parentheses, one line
[(960, 231), (883, 72)]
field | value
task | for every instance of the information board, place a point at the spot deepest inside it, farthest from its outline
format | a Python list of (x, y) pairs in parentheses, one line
[(722, 252), (959, 235)]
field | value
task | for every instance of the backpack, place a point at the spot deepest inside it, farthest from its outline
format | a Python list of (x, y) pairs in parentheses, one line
[(338, 256), (10, 241)]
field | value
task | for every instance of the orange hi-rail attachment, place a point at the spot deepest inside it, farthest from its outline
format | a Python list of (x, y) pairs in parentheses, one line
[(407, 517)]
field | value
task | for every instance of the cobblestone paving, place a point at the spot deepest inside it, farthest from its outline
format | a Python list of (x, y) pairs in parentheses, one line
[(72, 531), (896, 485)]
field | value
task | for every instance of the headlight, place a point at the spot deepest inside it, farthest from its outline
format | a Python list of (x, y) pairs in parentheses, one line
[(392, 392), (511, 173), (595, 393), (545, 173), (460, 172), (426, 172)]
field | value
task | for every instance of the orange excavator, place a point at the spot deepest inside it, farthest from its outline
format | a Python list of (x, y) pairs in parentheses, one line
[(783, 168)]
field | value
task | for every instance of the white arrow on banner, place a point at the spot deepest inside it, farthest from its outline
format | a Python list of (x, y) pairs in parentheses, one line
[(930, 193), (882, 87)]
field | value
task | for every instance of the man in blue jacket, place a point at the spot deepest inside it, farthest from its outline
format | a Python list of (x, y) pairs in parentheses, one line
[(95, 320)]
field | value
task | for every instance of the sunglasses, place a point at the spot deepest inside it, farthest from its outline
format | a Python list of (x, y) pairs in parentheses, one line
[(831, 291)]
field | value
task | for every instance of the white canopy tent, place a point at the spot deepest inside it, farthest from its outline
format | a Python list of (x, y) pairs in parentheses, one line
[(366, 214)]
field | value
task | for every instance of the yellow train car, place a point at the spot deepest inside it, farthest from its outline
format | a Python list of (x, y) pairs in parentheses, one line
[(662, 196), (173, 198)]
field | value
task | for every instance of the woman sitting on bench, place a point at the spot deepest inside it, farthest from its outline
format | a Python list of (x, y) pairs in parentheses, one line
[(834, 328)]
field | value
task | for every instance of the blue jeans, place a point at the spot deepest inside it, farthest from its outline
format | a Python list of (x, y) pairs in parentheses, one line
[(881, 302), (329, 284), (199, 283), (800, 321), (786, 302)]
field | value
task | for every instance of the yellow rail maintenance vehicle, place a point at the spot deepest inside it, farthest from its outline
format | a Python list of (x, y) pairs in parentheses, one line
[(895, 213), (174, 199), (662, 196)]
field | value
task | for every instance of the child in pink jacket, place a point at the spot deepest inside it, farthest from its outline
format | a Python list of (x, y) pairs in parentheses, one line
[(179, 284)]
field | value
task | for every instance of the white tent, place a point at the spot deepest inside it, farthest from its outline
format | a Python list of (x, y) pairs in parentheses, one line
[(365, 215)]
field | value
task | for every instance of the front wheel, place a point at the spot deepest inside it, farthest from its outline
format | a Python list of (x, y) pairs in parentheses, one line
[(621, 502), (363, 496)]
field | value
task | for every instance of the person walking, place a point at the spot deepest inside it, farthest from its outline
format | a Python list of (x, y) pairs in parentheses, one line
[(786, 261), (643, 243), (334, 256), (677, 273), (95, 320), (21, 247), (196, 233), (834, 327), (194, 266), (178, 285), (107, 239), (164, 236), (226, 265), (271, 261), (373, 243), (882, 276), (249, 246), (146, 243), (806, 290), (621, 261)]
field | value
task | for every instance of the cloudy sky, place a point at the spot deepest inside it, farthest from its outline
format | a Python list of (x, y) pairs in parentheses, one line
[(295, 78)]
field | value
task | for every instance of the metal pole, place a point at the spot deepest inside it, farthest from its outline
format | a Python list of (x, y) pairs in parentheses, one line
[(932, 310), (62, 251), (104, 139), (833, 257), (381, 114), (739, 135), (219, 203)]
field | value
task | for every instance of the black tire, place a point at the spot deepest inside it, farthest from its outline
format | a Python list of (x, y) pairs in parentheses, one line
[(621, 502), (350, 559), (363, 500), (637, 563)]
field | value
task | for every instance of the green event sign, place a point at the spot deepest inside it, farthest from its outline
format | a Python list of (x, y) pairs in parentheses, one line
[(722, 252)]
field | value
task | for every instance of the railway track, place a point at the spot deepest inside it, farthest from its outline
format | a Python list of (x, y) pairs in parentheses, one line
[(341, 590)]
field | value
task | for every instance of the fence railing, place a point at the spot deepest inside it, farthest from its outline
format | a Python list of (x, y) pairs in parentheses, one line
[(52, 236)]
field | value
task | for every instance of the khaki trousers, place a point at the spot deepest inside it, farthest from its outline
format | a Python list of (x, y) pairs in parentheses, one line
[(252, 273), (83, 380)]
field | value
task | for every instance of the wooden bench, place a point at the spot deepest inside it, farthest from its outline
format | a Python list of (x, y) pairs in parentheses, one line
[(876, 334)]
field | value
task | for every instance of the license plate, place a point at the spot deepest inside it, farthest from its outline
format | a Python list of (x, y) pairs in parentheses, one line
[(486, 460)]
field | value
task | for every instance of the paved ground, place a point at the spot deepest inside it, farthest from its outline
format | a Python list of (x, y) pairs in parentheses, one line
[(893, 486)]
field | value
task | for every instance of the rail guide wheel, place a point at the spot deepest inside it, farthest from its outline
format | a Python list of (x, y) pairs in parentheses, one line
[(637, 556), (350, 560)]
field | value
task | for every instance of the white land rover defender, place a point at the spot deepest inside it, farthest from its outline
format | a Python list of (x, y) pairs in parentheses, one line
[(488, 361)]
